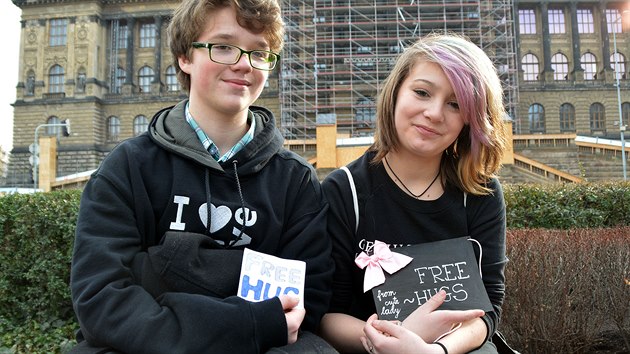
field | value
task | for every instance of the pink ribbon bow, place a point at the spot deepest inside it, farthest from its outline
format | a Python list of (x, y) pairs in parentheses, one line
[(383, 258)]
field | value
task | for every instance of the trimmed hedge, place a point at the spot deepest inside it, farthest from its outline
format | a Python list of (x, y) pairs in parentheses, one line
[(37, 233), (568, 291), (567, 205)]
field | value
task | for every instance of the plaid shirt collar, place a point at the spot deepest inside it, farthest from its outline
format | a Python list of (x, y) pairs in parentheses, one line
[(209, 145)]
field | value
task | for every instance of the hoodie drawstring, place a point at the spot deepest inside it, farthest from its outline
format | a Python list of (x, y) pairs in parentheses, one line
[(240, 194), (209, 208), (208, 200)]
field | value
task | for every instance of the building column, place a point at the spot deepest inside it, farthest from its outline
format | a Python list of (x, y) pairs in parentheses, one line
[(129, 71), (546, 38), (578, 71), (157, 82), (607, 71)]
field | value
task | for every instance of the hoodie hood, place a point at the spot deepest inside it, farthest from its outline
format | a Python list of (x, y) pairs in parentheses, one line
[(169, 129)]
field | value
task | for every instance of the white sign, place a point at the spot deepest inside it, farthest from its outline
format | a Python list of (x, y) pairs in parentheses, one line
[(265, 276)]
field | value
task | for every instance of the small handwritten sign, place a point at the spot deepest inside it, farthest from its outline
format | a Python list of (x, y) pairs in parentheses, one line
[(448, 265), (264, 276)]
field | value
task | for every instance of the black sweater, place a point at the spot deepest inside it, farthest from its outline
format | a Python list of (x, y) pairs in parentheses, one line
[(149, 276), (389, 215)]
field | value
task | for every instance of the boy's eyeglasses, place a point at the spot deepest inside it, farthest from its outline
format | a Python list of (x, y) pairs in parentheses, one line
[(230, 54)]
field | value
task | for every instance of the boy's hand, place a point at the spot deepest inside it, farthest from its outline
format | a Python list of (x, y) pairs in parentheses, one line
[(293, 316)]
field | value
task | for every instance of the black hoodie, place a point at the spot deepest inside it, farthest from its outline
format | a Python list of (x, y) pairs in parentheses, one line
[(148, 273)]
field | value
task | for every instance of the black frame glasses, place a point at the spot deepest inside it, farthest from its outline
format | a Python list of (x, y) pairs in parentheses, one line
[(228, 54)]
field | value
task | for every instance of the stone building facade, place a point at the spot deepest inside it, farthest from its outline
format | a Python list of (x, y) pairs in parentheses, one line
[(105, 66), (102, 64), (567, 60)]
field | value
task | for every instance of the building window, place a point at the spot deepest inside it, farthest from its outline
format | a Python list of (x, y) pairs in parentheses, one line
[(145, 77), (172, 84), (567, 117), (58, 32), (53, 129), (530, 67), (30, 83), (81, 81), (618, 64), (613, 21), (123, 33), (585, 21), (560, 67), (527, 21), (365, 112), (589, 65), (121, 76), (147, 35), (536, 114), (556, 21), (625, 113), (140, 125), (56, 77), (597, 116), (113, 129)]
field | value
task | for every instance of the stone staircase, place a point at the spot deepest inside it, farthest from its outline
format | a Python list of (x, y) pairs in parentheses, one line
[(598, 167), (590, 166), (512, 174)]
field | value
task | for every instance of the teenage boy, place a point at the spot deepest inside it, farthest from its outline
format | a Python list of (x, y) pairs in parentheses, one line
[(163, 222)]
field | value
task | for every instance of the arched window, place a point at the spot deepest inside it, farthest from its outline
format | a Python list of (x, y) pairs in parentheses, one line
[(121, 76), (618, 64), (536, 115), (140, 125), (113, 129), (56, 77), (529, 63), (171, 79), (589, 65), (597, 115), (54, 129), (30, 83), (560, 66), (145, 77), (567, 117)]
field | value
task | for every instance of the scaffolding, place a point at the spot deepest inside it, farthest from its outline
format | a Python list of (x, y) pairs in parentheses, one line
[(338, 53)]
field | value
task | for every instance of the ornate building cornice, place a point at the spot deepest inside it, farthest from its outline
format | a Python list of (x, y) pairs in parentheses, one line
[(23, 3)]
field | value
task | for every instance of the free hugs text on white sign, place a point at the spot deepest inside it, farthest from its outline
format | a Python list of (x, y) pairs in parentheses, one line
[(264, 276)]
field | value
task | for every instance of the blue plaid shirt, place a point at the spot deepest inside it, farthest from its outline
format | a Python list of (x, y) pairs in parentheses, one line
[(209, 145)]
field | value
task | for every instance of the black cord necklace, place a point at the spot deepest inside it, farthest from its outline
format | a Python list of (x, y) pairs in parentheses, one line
[(407, 189)]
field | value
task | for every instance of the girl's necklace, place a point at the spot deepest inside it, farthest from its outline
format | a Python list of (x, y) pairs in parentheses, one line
[(407, 189)]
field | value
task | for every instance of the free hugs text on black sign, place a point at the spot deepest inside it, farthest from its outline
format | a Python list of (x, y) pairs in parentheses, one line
[(450, 265)]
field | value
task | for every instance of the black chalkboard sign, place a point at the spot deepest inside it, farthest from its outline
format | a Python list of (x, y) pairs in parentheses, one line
[(449, 264)]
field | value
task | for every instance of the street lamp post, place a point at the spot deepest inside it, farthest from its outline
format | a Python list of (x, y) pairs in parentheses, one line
[(622, 127), (66, 132)]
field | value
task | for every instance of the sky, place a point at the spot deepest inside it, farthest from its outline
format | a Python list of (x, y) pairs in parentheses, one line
[(9, 66)]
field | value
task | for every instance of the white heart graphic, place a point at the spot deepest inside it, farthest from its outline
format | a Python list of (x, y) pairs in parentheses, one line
[(220, 216)]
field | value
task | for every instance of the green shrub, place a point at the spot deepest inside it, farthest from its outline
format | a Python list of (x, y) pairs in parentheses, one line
[(567, 205), (36, 238)]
